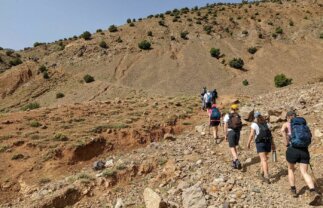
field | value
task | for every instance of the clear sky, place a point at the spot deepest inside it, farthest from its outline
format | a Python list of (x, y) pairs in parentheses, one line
[(23, 22)]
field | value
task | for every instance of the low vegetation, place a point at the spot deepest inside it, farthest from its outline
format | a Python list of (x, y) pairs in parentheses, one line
[(252, 50), (184, 35), (281, 80), (60, 137), (113, 28), (215, 52), (144, 45), (103, 44), (30, 106), (236, 63), (86, 35), (59, 95), (88, 78), (15, 62), (245, 82)]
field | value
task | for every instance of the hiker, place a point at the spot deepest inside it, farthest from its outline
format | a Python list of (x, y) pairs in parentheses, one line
[(204, 91), (298, 137), (208, 100), (215, 118), (214, 96), (262, 136), (232, 128)]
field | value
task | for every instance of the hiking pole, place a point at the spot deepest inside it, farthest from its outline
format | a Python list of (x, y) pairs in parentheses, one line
[(314, 178)]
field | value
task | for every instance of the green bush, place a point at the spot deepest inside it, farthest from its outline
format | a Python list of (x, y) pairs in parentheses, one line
[(132, 24), (38, 44), (9, 52), (119, 40), (86, 35), (145, 45), (16, 61), (45, 75), (236, 63), (245, 82), (1, 60), (184, 35), (149, 33), (208, 29), (103, 44), (281, 80), (161, 23), (279, 30), (321, 35), (34, 124), (88, 78), (252, 50), (215, 52), (113, 28), (42, 69), (60, 137), (172, 38), (17, 157), (99, 30), (245, 32), (30, 106), (1, 48), (128, 20), (291, 23), (59, 95)]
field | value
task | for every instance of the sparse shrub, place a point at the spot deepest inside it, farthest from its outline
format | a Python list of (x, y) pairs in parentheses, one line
[(215, 52), (113, 28), (1, 48), (274, 35), (15, 62), (44, 181), (45, 75), (252, 50), (279, 30), (1, 60), (321, 35), (107, 173), (150, 16), (119, 40), (245, 32), (132, 24), (30, 106), (198, 22), (34, 124), (236, 63), (245, 82), (291, 23), (128, 20), (270, 23), (17, 157), (305, 17), (172, 38), (281, 80), (42, 69), (60, 137), (161, 23), (208, 29), (149, 33), (88, 78), (9, 52), (103, 44), (86, 35), (99, 30), (59, 95), (184, 35), (260, 36), (144, 45), (38, 44)]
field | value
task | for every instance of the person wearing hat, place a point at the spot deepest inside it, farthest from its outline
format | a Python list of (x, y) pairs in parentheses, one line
[(298, 155), (262, 136), (215, 117), (232, 127)]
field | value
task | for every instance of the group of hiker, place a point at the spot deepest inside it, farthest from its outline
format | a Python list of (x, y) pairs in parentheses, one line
[(297, 138)]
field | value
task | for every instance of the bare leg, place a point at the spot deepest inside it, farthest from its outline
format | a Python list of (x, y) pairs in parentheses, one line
[(234, 153), (291, 176), (264, 163), (216, 130), (308, 179)]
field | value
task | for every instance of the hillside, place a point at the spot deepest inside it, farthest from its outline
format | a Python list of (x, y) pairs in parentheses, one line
[(286, 36)]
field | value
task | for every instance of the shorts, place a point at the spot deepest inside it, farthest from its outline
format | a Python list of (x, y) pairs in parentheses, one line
[(233, 138), (263, 147), (214, 123), (297, 155), (208, 105)]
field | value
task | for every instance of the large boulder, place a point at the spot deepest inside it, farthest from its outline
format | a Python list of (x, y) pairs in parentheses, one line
[(193, 197), (153, 200)]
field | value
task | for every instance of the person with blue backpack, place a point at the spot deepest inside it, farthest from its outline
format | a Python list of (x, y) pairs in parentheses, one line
[(215, 117), (298, 137)]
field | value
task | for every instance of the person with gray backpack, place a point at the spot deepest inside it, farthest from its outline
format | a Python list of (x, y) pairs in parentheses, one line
[(263, 138), (298, 137)]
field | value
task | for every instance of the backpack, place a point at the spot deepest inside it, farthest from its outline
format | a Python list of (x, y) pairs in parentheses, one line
[(98, 165), (215, 114), (235, 122), (264, 135), (215, 94), (208, 97), (301, 135)]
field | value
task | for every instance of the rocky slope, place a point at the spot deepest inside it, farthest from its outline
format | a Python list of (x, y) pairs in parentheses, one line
[(286, 36)]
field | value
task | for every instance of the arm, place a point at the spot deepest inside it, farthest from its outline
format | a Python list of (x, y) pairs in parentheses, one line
[(225, 128), (284, 133), (251, 136)]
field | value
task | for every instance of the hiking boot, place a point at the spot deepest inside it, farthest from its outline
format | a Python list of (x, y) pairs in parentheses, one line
[(266, 180), (234, 165), (238, 164), (314, 198), (293, 193)]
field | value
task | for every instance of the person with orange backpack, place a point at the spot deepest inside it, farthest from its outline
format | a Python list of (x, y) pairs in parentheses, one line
[(215, 117), (232, 127)]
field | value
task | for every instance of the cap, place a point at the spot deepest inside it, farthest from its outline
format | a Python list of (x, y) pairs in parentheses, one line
[(214, 106), (234, 107), (291, 113), (257, 114)]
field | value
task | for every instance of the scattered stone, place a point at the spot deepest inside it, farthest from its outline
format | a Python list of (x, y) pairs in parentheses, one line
[(153, 200), (193, 197), (119, 203), (318, 133), (109, 163), (169, 136)]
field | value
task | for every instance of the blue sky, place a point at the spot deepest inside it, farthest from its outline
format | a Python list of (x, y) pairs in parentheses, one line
[(24, 22)]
